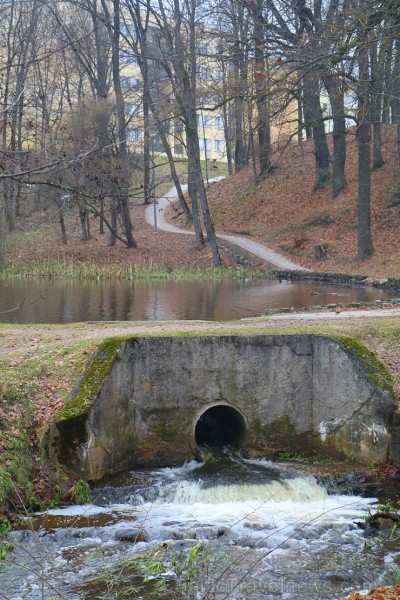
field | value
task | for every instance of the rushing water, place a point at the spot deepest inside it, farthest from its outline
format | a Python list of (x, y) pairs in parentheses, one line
[(229, 528), (67, 301)]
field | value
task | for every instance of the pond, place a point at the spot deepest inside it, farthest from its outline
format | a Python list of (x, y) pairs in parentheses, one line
[(68, 301)]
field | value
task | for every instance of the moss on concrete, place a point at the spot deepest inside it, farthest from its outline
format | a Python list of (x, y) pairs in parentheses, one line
[(89, 386), (374, 368), (282, 426)]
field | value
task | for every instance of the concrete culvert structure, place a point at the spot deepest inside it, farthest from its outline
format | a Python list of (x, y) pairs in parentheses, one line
[(151, 401), (220, 426)]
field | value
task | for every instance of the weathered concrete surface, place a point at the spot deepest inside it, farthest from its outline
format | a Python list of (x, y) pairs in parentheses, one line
[(294, 392)]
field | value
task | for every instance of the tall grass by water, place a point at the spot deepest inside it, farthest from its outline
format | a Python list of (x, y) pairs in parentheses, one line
[(62, 267)]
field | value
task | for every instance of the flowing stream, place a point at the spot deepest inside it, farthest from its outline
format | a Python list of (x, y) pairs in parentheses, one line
[(226, 528)]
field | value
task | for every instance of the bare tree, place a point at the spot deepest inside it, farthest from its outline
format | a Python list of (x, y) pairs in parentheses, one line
[(176, 32), (158, 113), (19, 25)]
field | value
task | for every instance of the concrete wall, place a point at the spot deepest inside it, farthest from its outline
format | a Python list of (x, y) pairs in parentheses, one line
[(296, 393)]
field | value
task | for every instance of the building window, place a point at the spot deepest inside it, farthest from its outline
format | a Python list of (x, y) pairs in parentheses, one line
[(219, 146), (179, 126), (204, 120), (133, 135), (207, 100), (204, 49), (130, 83), (157, 145), (204, 73), (219, 123), (127, 58), (205, 145), (132, 110), (128, 31), (152, 37), (178, 149)]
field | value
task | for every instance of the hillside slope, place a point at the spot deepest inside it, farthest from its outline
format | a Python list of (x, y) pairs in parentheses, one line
[(282, 212)]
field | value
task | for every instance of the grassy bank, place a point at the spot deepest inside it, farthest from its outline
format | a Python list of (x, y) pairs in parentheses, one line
[(34, 382), (70, 268)]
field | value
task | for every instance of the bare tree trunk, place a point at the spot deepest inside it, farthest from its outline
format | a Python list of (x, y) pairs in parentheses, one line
[(101, 225), (365, 247), (240, 147), (387, 80), (113, 27), (180, 65), (6, 93), (163, 133), (174, 174), (84, 219), (314, 118), (197, 185), (61, 219), (395, 96), (396, 107), (263, 117), (37, 198), (9, 208), (240, 25), (193, 193), (253, 154), (376, 105), (305, 118), (299, 121), (227, 129), (192, 141), (336, 98), (144, 66), (112, 239)]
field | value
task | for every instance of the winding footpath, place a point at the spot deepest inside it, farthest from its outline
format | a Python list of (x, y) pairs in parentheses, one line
[(273, 258)]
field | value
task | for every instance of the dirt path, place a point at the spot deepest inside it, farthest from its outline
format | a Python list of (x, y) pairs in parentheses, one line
[(25, 337), (259, 250)]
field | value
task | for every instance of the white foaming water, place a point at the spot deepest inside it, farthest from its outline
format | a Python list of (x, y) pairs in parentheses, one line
[(186, 499), (298, 489), (234, 505)]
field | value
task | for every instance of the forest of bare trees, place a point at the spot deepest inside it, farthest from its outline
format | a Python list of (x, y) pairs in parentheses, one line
[(278, 73)]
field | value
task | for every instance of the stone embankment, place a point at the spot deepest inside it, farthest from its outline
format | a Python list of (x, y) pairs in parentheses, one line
[(342, 279)]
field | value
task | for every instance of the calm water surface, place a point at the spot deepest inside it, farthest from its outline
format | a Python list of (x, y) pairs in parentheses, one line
[(68, 301)]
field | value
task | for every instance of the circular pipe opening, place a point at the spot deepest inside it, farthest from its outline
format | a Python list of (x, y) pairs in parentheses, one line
[(220, 426)]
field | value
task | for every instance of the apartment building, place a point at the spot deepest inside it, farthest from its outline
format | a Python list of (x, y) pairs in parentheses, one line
[(214, 75), (209, 81)]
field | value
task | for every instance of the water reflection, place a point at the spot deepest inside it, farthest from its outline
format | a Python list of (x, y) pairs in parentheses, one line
[(67, 301)]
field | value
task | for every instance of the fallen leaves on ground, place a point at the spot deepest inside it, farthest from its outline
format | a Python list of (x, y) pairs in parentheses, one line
[(283, 212), (383, 593)]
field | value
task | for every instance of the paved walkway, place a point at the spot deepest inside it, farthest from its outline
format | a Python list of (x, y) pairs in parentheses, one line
[(273, 258)]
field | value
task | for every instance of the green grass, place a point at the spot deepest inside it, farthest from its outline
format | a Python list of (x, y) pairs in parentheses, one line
[(163, 174), (5, 547)]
